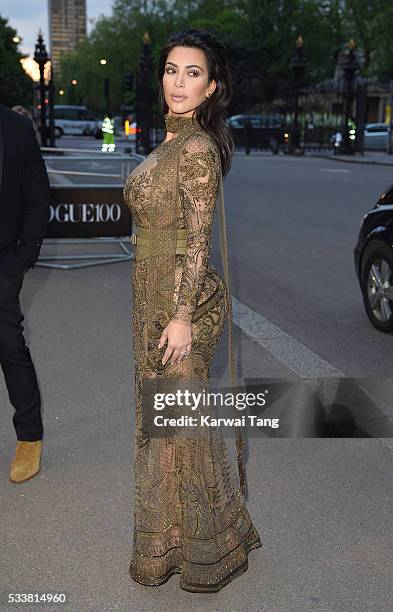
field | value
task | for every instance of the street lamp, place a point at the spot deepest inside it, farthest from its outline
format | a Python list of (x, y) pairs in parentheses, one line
[(74, 82), (298, 65), (349, 65), (104, 62), (51, 99), (16, 39), (41, 57), (144, 96)]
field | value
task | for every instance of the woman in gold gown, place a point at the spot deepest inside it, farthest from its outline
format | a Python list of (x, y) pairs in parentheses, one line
[(190, 515)]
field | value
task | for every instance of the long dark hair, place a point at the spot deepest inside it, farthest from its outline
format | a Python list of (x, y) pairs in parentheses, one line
[(211, 113)]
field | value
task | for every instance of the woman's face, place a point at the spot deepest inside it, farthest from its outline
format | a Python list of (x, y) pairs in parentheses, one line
[(186, 76)]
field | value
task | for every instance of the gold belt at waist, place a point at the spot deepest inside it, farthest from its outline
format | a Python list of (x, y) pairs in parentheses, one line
[(141, 239)]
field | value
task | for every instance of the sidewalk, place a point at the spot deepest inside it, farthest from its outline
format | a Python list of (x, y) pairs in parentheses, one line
[(69, 529), (370, 157), (321, 505), (379, 158)]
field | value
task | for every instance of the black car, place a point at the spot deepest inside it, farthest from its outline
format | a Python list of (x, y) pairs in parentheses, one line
[(373, 256), (259, 132)]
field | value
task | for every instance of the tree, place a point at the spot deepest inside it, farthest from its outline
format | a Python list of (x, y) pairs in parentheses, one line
[(383, 60), (259, 36), (370, 24), (15, 86)]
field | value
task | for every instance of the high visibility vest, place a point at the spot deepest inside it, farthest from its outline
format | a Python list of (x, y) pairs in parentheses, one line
[(108, 126)]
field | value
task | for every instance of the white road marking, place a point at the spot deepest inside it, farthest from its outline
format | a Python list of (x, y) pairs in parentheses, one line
[(292, 353), (333, 170), (284, 347)]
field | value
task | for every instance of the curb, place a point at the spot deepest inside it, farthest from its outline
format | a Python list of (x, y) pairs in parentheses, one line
[(351, 161)]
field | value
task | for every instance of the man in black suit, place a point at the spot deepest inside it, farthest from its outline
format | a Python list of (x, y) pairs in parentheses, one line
[(24, 214)]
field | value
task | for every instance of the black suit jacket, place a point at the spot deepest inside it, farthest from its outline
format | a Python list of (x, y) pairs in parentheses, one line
[(24, 194)]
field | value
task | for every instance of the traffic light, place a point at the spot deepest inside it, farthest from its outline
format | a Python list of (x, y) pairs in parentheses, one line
[(128, 81)]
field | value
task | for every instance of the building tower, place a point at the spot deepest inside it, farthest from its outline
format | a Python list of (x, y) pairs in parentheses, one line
[(67, 26)]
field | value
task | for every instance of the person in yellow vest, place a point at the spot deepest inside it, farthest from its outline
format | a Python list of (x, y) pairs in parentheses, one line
[(108, 134)]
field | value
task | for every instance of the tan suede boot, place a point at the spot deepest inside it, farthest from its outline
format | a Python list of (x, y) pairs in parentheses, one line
[(26, 462)]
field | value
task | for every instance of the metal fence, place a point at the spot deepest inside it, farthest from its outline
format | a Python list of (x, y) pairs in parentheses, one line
[(74, 195)]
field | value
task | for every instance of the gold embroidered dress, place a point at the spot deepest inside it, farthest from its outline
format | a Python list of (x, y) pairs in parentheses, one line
[(190, 516)]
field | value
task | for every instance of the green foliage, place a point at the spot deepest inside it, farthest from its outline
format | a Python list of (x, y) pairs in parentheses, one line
[(260, 37), (15, 86), (370, 24), (383, 56)]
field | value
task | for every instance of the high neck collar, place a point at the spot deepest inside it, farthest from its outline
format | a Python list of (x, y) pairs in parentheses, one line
[(179, 123)]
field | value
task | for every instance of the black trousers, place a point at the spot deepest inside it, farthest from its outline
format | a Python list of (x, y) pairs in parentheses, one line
[(16, 363)]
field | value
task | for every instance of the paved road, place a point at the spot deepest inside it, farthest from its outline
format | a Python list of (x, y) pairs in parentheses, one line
[(293, 231), (323, 506)]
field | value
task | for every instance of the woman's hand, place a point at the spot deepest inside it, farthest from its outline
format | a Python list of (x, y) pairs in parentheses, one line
[(178, 334)]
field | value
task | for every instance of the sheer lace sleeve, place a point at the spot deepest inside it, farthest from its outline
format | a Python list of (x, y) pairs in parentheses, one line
[(199, 169)]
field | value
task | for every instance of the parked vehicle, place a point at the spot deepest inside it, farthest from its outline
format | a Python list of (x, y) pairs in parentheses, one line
[(259, 131), (376, 136), (373, 256), (74, 120)]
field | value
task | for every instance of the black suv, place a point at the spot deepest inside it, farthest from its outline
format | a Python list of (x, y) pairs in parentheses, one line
[(373, 256)]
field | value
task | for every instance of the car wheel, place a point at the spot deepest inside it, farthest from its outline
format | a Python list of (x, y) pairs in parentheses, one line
[(58, 132), (377, 285)]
